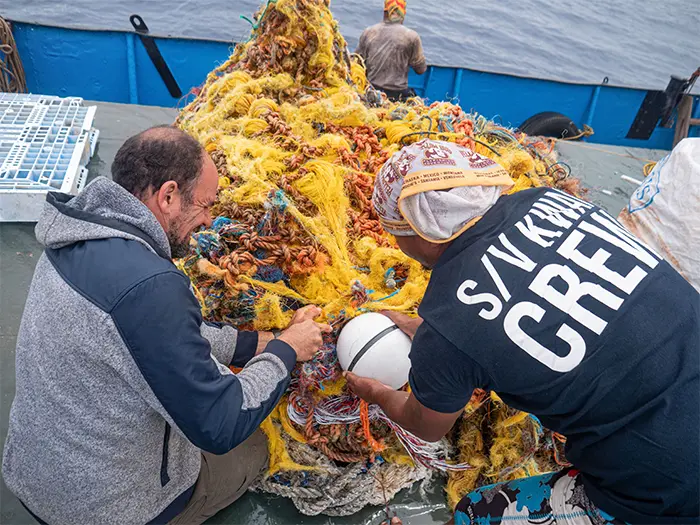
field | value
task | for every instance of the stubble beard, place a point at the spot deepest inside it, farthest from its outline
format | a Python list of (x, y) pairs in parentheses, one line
[(179, 248)]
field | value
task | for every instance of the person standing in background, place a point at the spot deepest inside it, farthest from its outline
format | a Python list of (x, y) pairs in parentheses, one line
[(389, 49)]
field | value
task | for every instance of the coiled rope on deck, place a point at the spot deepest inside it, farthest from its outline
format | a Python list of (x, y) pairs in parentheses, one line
[(12, 77)]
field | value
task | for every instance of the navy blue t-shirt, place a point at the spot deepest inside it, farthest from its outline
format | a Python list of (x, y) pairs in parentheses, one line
[(551, 303)]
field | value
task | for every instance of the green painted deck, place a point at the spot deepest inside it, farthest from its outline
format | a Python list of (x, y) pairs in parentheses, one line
[(600, 167)]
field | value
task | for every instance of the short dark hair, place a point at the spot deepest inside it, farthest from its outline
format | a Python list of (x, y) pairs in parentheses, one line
[(153, 157)]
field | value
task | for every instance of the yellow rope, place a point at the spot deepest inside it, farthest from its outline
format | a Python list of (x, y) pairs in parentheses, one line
[(648, 167)]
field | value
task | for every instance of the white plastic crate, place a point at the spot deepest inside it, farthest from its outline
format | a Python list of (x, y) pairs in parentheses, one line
[(45, 145)]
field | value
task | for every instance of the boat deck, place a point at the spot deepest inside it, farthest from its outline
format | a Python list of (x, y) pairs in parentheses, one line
[(600, 167)]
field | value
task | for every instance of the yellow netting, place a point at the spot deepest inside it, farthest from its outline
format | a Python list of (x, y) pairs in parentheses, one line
[(297, 139)]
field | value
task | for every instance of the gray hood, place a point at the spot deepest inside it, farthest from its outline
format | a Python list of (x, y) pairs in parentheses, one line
[(103, 210)]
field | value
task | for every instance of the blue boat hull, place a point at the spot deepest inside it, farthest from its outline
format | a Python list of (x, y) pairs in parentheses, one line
[(113, 66)]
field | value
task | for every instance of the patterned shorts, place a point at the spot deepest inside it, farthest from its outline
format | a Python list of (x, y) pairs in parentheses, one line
[(550, 499)]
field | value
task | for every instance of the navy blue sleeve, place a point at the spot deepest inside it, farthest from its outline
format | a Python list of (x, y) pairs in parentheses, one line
[(228, 345), (159, 321), (246, 345), (442, 377)]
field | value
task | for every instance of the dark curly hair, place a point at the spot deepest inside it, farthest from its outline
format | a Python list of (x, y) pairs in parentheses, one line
[(153, 157)]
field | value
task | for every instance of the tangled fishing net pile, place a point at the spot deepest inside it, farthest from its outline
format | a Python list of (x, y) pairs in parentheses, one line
[(298, 136)]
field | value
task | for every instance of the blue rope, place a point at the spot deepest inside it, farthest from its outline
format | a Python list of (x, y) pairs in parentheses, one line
[(392, 294)]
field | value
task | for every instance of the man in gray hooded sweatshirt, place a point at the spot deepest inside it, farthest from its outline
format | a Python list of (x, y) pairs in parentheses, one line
[(125, 408)]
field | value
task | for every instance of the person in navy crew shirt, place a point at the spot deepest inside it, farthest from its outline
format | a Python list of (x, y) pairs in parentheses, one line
[(547, 300)]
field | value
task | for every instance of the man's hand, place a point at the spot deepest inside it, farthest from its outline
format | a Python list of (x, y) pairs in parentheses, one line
[(365, 388), (403, 408), (304, 314), (301, 315), (408, 325), (305, 337)]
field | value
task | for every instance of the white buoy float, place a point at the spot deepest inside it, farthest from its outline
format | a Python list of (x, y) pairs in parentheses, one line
[(371, 345)]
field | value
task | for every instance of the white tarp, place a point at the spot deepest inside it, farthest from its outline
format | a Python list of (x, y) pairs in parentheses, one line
[(664, 211)]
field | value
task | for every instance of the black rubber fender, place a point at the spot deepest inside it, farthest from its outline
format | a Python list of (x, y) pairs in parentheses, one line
[(550, 124)]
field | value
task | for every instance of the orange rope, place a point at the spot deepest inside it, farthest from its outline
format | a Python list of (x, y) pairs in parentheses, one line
[(364, 417), (561, 439)]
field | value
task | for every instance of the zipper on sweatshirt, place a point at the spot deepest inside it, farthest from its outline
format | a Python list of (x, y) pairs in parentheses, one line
[(164, 477)]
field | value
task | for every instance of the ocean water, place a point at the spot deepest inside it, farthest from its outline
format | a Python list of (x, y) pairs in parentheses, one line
[(636, 43)]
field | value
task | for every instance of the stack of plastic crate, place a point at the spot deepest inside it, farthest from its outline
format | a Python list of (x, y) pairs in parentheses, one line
[(45, 145)]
